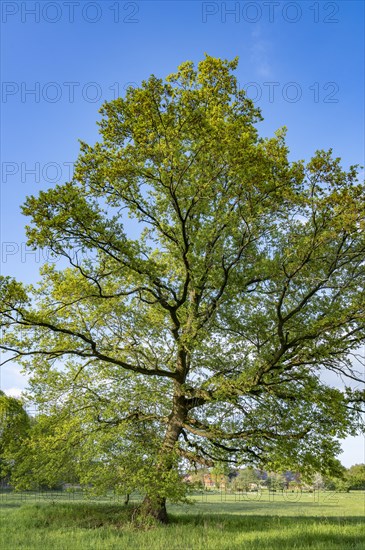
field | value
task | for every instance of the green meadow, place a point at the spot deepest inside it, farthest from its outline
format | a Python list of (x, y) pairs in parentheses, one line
[(263, 521)]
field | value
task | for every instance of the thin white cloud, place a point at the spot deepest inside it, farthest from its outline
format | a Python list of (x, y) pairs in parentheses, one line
[(260, 53)]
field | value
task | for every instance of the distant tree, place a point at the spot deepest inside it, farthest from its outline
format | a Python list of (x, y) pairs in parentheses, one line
[(246, 477), (318, 482), (202, 332), (335, 477), (355, 476), (276, 481), (220, 473)]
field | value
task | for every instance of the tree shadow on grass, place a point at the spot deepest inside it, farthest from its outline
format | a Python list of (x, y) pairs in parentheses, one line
[(9, 504)]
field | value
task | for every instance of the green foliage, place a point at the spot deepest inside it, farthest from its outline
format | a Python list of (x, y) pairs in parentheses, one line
[(220, 473), (14, 429), (246, 479), (198, 332), (355, 476)]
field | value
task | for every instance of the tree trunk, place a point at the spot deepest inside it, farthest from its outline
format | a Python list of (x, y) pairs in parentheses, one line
[(154, 505)]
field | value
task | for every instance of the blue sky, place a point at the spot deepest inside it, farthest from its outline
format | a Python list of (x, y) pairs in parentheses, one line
[(303, 62)]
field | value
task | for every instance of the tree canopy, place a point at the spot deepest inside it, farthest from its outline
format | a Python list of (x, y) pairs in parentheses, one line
[(210, 285)]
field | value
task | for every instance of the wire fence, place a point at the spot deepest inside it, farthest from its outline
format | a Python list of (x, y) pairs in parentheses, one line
[(64, 495), (8, 496)]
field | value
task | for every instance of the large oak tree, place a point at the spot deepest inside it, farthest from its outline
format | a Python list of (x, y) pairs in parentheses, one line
[(210, 285)]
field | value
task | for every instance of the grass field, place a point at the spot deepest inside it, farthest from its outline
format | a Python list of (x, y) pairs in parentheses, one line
[(264, 521)]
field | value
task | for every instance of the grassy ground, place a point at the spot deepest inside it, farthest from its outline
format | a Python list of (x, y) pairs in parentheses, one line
[(216, 522)]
